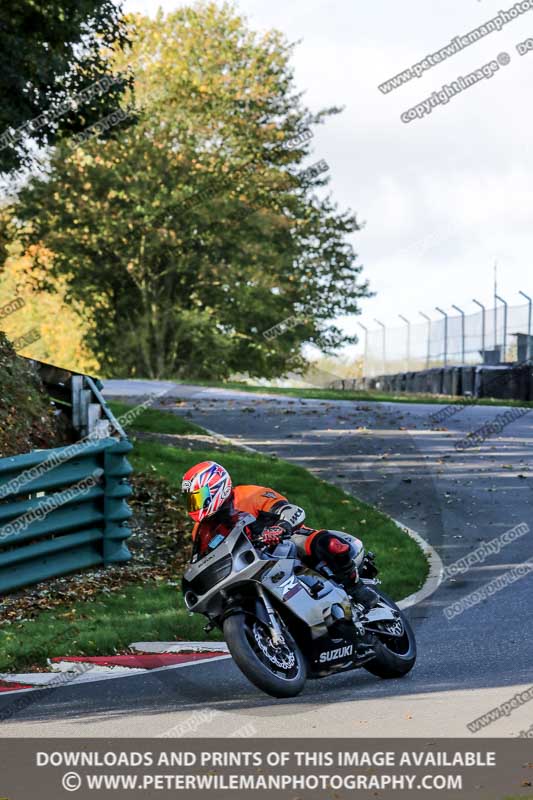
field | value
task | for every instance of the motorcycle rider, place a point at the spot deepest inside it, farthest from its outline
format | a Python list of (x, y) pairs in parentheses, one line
[(214, 504)]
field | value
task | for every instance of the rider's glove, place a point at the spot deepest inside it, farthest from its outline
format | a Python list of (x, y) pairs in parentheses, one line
[(273, 535)]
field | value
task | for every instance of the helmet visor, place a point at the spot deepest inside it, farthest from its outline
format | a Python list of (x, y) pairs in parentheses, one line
[(197, 500)]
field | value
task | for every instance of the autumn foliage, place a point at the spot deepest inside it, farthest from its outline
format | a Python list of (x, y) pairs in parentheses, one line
[(185, 236)]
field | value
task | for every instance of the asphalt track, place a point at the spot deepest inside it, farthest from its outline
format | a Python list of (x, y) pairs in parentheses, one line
[(394, 456)]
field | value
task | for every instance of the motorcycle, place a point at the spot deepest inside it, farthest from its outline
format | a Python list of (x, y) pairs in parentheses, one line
[(284, 622)]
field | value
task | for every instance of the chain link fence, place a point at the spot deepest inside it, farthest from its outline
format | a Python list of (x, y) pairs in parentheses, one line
[(498, 335)]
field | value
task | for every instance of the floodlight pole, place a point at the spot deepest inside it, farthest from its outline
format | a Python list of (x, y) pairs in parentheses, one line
[(483, 326), (408, 339), (384, 344), (504, 303), (530, 303), (462, 313), (445, 315), (428, 349)]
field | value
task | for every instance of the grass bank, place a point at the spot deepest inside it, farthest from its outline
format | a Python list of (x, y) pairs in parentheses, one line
[(106, 626), (152, 420)]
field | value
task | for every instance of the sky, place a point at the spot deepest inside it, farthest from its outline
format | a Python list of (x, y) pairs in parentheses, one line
[(442, 197)]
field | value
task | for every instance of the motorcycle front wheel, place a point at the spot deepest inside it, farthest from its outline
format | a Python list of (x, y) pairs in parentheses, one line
[(395, 655), (278, 670)]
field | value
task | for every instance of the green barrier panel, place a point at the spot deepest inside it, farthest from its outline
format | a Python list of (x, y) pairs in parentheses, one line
[(116, 510), (63, 510)]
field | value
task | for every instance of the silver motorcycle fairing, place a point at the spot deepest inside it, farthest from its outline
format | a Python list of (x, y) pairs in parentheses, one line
[(282, 583), (246, 563)]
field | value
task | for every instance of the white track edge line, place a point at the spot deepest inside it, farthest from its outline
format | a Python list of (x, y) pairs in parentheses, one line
[(436, 569)]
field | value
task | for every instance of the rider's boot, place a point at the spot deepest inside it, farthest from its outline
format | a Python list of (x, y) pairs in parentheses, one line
[(361, 593), (348, 575)]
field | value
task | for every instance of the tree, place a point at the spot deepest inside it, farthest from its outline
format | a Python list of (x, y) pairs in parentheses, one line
[(195, 231), (61, 327), (50, 52)]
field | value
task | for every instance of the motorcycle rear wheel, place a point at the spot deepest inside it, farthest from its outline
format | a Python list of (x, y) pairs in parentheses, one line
[(278, 671), (395, 656)]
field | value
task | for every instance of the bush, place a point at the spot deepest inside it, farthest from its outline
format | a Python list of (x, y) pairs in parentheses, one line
[(27, 419)]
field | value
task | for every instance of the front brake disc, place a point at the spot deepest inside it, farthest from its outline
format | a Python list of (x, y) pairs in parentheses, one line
[(281, 656)]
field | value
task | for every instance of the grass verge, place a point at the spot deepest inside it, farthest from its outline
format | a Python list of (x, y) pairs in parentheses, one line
[(365, 396), (154, 421), (154, 611)]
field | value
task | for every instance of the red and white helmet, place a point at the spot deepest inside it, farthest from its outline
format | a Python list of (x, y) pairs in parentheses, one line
[(207, 486)]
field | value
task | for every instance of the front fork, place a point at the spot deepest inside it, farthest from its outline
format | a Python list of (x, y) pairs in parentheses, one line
[(268, 616), (274, 627)]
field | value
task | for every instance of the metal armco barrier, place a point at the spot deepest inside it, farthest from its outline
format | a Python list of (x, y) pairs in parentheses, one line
[(79, 397), (88, 529)]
